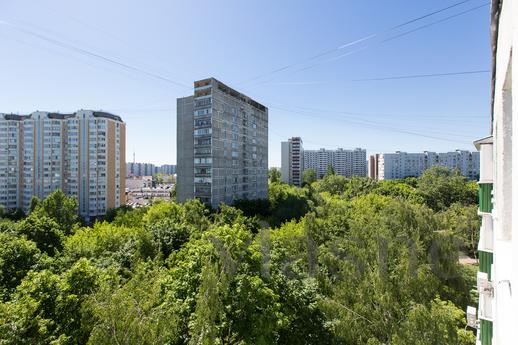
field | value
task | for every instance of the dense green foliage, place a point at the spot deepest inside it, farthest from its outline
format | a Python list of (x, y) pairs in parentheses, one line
[(309, 176), (274, 175), (340, 261)]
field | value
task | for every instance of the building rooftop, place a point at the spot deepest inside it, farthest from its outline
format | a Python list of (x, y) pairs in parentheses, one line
[(60, 116), (230, 91)]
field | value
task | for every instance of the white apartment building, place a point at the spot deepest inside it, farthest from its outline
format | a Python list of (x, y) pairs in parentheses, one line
[(497, 279), (387, 166), (10, 156), (292, 161), (82, 153), (345, 162)]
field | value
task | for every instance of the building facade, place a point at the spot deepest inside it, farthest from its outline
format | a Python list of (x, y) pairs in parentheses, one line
[(222, 143), (82, 153), (387, 166), (292, 161), (167, 169), (141, 169), (344, 162), (373, 172), (497, 279)]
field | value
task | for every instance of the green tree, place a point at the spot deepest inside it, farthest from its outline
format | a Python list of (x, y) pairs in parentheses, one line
[(17, 256), (173, 192), (208, 313), (441, 324), (274, 175), (127, 216), (34, 203), (464, 223), (47, 308), (332, 184), (12, 214), (44, 231), (286, 203), (440, 187), (330, 170), (107, 245), (169, 235), (132, 313), (61, 209), (309, 176)]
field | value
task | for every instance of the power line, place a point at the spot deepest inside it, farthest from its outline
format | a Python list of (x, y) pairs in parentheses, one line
[(429, 14), (342, 112), (102, 31), (415, 76), (355, 42), (94, 55), (412, 76), (434, 23), (377, 126), (335, 58), (373, 123)]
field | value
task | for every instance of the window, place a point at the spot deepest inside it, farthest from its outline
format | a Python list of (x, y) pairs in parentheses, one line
[(202, 142), (202, 171), (203, 131), (202, 102), (203, 112), (202, 151), (203, 160)]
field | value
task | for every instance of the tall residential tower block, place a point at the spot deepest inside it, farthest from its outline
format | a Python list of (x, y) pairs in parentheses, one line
[(292, 161), (82, 153), (222, 145)]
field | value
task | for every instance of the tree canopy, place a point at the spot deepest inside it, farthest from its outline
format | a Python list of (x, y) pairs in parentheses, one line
[(340, 261)]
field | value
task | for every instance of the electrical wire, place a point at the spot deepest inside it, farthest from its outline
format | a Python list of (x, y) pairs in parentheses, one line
[(93, 54), (416, 76), (412, 76), (377, 126), (367, 38)]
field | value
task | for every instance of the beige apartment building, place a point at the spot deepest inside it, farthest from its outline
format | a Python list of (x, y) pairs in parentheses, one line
[(81, 153)]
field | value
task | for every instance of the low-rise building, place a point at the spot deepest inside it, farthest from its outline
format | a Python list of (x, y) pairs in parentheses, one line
[(138, 182)]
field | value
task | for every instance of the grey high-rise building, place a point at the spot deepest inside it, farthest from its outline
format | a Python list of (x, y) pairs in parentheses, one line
[(292, 161), (222, 145)]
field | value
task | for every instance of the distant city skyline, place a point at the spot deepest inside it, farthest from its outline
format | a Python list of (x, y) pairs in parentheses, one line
[(376, 86)]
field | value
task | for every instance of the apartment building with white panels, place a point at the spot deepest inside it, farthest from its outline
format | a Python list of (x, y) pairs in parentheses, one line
[(81, 153)]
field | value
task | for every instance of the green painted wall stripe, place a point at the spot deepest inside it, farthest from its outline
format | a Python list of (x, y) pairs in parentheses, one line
[(485, 260), (484, 197), (486, 332)]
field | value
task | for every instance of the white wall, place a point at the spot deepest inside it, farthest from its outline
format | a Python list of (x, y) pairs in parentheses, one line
[(505, 266)]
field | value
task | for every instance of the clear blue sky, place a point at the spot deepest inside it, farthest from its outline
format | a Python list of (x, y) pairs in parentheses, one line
[(235, 41)]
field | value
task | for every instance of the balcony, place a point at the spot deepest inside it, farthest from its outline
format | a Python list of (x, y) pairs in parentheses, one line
[(202, 154), (200, 191)]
